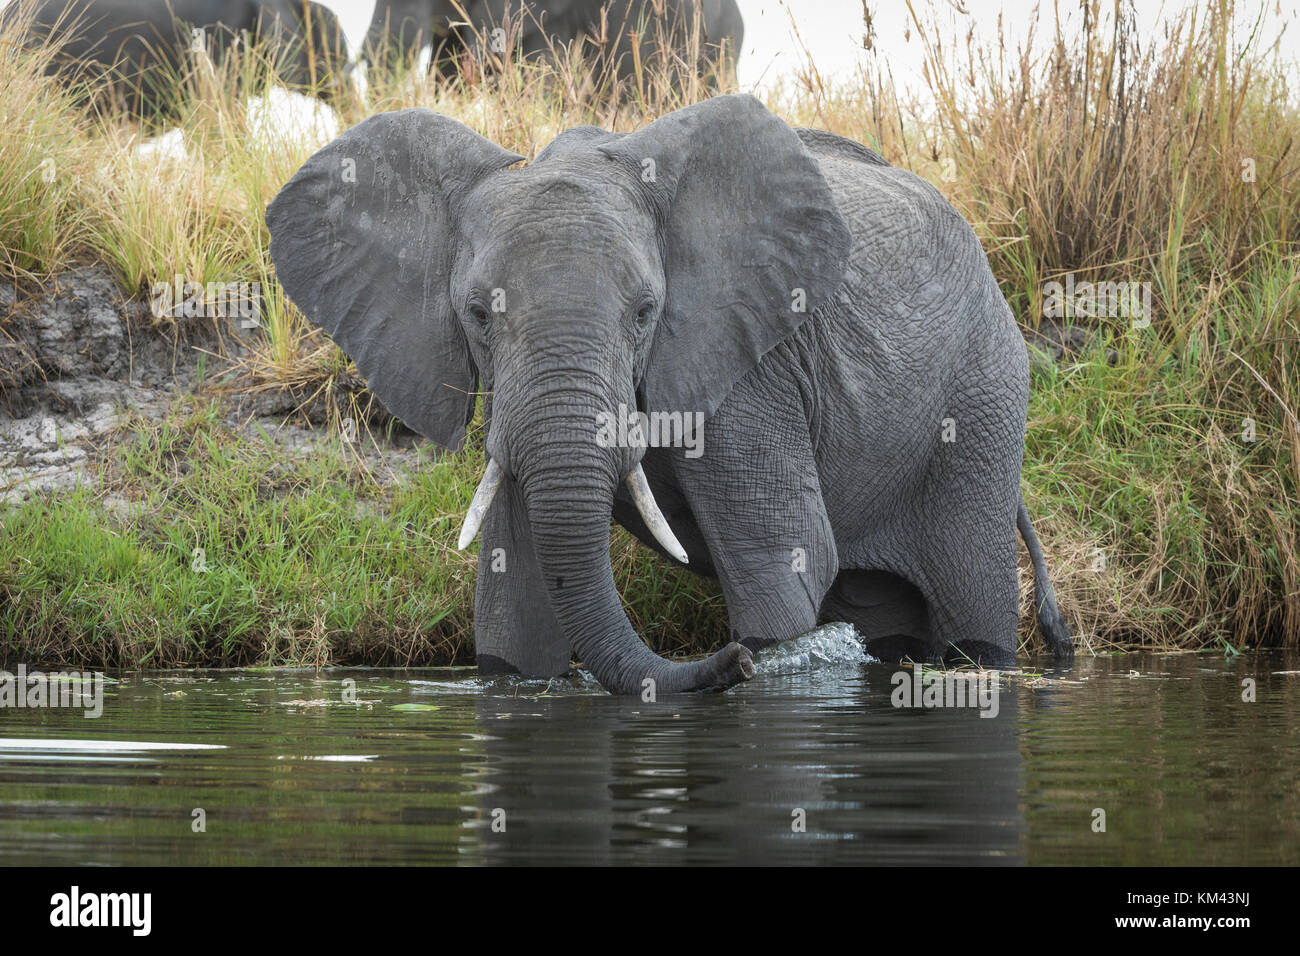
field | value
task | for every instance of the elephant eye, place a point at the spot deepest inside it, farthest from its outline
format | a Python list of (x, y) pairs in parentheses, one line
[(645, 311), (478, 313)]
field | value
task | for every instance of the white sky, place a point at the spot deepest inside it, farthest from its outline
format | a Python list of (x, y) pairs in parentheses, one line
[(833, 29)]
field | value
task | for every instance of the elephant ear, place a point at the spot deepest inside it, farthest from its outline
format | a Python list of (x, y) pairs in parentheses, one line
[(363, 238), (753, 243)]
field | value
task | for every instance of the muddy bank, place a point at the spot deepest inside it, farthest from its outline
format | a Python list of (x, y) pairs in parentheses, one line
[(78, 359)]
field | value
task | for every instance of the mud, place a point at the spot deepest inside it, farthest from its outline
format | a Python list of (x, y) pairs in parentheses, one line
[(78, 359)]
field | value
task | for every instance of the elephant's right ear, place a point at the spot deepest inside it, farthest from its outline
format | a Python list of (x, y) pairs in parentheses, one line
[(363, 238)]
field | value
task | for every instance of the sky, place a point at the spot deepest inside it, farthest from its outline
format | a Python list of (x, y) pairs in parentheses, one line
[(833, 30)]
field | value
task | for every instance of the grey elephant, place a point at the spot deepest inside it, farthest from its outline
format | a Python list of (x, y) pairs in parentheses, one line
[(450, 28), (128, 53), (828, 322)]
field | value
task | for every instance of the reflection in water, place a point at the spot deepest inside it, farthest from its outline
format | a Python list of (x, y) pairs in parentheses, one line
[(322, 769), (682, 779)]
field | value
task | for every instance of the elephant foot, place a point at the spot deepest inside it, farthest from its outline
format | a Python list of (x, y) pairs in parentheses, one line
[(489, 665), (979, 654)]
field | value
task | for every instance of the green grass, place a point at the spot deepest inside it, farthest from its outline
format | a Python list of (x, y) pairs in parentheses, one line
[(1147, 462), (198, 546), (1110, 159)]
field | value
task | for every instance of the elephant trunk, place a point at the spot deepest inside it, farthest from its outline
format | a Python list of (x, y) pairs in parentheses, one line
[(568, 486)]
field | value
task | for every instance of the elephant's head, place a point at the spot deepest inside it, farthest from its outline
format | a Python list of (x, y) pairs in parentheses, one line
[(655, 268)]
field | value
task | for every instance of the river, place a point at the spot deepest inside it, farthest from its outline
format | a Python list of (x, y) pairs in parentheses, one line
[(1133, 759)]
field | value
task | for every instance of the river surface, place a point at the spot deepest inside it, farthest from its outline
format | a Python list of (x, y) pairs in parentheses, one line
[(809, 763)]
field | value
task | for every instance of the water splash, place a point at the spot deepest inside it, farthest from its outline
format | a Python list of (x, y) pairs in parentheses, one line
[(579, 682), (831, 645)]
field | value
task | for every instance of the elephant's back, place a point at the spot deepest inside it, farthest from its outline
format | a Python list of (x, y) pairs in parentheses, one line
[(822, 144), (916, 269), (917, 333), (106, 31), (95, 20), (919, 311)]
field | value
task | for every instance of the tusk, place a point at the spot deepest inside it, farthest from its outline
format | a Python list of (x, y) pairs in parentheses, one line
[(652, 516), (487, 490)]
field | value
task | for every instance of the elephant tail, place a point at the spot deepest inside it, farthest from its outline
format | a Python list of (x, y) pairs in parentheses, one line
[(1050, 621)]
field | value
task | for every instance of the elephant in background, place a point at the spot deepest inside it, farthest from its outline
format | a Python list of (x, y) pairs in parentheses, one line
[(130, 52), (830, 320), (400, 29)]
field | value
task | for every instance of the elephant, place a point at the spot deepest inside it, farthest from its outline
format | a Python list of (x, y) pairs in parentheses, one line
[(450, 28), (130, 52), (828, 322)]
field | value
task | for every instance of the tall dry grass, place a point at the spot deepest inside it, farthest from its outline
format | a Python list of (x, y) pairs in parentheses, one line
[(42, 152)]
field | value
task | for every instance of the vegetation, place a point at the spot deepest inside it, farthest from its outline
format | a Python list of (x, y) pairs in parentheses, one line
[(1162, 460)]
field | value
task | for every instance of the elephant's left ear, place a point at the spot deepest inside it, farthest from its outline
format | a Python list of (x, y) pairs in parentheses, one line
[(753, 243)]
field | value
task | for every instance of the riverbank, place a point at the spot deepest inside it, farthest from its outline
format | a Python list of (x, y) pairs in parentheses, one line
[(157, 513), (184, 490)]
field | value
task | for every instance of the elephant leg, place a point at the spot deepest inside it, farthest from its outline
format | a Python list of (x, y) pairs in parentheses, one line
[(974, 604), (515, 630), (945, 589), (886, 609), (964, 561), (756, 497), (968, 510)]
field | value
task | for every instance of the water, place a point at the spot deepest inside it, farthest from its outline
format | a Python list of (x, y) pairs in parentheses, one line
[(286, 771)]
